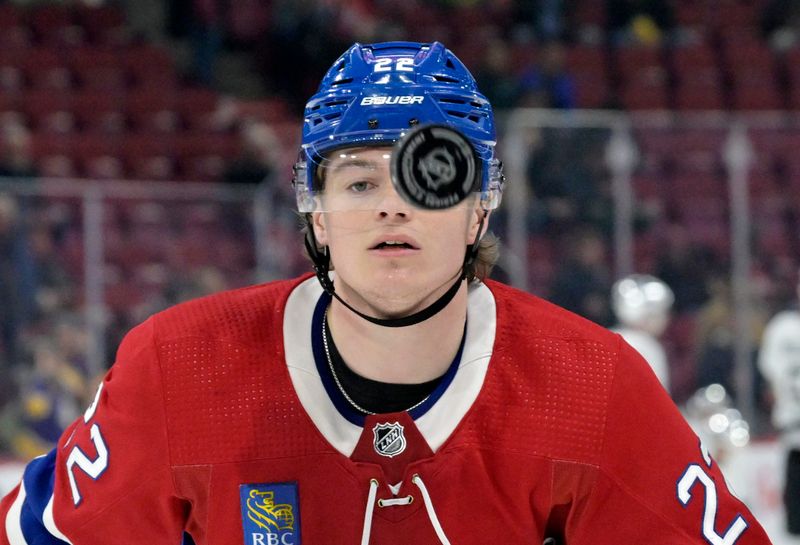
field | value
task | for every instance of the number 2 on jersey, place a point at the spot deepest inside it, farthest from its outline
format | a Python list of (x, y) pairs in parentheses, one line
[(78, 458), (693, 474)]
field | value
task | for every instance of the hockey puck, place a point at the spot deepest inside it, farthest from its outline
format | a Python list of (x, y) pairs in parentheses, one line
[(434, 167)]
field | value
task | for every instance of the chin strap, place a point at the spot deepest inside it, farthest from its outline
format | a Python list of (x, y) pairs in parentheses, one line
[(322, 261)]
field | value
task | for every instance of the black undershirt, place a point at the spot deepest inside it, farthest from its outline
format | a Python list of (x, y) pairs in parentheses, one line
[(372, 395)]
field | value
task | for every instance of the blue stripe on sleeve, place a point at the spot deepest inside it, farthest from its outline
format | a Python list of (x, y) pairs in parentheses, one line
[(33, 528), (38, 478)]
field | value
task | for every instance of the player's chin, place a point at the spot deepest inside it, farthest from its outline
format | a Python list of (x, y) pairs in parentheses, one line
[(406, 294), (395, 286), (397, 271), (395, 305)]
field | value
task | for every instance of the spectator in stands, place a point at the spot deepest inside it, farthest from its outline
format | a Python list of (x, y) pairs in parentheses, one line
[(72, 341), (16, 160), (548, 84), (214, 25), (780, 23), (52, 394), (16, 273), (201, 23), (207, 37), (55, 289), (202, 281), (564, 183), (304, 32), (715, 339), (645, 22), (495, 76), (545, 17), (582, 280), (685, 265), (259, 154)]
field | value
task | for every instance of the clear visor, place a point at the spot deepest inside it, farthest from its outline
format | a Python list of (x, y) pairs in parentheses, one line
[(360, 179), (357, 179)]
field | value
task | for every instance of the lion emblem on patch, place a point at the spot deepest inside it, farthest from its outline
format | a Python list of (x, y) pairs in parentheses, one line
[(266, 514)]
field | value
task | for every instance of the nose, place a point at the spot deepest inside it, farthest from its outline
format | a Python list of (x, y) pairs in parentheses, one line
[(393, 205)]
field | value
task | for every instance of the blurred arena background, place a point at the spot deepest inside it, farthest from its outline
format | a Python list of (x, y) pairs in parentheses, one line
[(146, 149)]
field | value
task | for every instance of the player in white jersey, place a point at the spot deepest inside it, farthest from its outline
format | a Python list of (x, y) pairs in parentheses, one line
[(642, 304), (779, 362)]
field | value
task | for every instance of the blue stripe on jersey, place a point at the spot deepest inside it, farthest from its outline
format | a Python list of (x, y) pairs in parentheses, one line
[(38, 478), (447, 378), (338, 400)]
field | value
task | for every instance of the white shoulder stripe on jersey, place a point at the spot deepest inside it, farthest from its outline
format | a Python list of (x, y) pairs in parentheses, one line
[(441, 420), (13, 524), (50, 522), (297, 318)]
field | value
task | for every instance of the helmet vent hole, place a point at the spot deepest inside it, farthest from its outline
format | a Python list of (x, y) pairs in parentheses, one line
[(474, 118), (445, 79), (450, 64), (342, 81), (452, 101), (454, 113)]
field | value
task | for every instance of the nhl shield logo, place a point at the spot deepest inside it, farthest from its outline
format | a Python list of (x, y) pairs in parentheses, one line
[(389, 439)]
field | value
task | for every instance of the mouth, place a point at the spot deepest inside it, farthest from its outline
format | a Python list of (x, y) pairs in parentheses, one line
[(394, 244)]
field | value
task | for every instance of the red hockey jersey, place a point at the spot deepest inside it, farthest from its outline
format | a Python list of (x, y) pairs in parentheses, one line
[(220, 420)]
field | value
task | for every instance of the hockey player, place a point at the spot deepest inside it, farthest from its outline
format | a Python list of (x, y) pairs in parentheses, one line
[(779, 362), (642, 304), (399, 397)]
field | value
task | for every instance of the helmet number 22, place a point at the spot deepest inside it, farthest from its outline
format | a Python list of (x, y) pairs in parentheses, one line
[(388, 64), (693, 474)]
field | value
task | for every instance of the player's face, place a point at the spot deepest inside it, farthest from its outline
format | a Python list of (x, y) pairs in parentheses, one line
[(388, 255)]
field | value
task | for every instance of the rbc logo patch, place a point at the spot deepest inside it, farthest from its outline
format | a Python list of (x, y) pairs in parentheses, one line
[(270, 514)]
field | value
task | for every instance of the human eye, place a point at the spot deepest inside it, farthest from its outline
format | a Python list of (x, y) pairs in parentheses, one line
[(361, 186)]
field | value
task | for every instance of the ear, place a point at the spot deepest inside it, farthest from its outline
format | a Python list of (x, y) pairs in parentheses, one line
[(320, 230), (475, 217)]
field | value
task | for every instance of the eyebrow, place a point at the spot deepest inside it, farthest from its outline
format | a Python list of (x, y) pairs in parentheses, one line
[(354, 163)]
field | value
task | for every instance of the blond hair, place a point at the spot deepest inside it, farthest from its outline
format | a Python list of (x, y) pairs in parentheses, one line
[(485, 259)]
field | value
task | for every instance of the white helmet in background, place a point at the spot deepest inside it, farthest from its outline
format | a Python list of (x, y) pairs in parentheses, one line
[(712, 415), (642, 301)]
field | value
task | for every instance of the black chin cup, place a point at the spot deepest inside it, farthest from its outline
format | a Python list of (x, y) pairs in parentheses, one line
[(435, 167)]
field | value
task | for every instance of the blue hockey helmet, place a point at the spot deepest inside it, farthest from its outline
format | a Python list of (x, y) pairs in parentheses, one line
[(373, 94)]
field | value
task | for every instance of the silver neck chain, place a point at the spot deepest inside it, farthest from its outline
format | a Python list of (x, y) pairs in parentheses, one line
[(355, 405)]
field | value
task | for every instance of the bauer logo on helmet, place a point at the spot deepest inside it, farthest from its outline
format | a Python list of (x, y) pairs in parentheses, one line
[(388, 100)]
